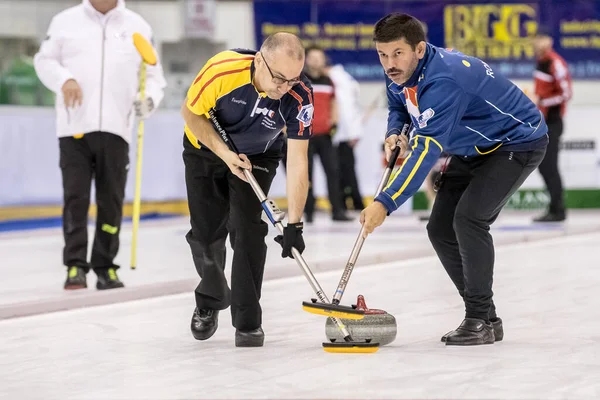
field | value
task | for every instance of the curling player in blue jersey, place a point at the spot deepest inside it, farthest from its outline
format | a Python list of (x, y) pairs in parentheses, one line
[(495, 136)]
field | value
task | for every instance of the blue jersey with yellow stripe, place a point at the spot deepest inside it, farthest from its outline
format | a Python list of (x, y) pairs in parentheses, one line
[(460, 106), (253, 120)]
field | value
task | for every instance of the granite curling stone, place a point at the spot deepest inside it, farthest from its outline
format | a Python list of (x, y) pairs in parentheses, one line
[(377, 326)]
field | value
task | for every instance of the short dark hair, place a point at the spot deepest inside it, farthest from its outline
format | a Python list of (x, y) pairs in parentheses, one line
[(398, 26), (313, 47)]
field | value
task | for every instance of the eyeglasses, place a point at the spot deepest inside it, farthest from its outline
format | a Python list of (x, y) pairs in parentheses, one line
[(280, 81)]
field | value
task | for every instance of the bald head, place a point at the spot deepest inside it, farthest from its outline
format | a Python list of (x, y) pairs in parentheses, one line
[(283, 42), (279, 64)]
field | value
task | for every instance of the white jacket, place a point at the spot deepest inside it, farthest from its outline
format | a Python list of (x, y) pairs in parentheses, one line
[(97, 51), (347, 92)]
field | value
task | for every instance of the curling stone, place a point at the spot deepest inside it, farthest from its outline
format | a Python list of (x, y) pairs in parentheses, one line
[(377, 325)]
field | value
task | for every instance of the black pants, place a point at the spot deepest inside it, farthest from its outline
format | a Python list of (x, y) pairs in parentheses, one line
[(472, 194), (347, 174), (221, 203), (549, 166), (103, 157), (322, 146)]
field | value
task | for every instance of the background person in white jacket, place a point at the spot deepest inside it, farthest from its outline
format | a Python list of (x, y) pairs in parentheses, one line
[(88, 59), (347, 135)]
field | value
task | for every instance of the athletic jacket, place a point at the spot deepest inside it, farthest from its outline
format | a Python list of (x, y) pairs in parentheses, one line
[(324, 96), (458, 105), (224, 88), (97, 51), (552, 83), (347, 92)]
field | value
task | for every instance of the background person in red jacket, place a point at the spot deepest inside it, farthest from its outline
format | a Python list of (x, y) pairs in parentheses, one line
[(552, 88), (324, 125)]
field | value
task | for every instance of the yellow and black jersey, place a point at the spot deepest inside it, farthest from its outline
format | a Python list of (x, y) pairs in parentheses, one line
[(253, 120)]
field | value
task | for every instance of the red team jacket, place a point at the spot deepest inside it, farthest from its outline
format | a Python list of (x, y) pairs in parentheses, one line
[(552, 83), (324, 95)]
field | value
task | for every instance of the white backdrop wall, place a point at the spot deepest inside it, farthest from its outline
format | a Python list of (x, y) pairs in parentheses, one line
[(29, 159), (29, 172)]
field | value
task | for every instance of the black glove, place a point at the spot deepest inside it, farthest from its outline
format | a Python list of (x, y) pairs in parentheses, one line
[(292, 237)]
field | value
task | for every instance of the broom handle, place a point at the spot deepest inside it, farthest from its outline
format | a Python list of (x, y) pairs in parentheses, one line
[(337, 297), (135, 215), (297, 256)]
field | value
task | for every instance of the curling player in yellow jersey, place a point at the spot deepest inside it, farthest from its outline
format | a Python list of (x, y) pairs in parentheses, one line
[(253, 96)]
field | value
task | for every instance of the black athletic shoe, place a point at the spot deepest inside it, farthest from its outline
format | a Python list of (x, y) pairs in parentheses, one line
[(107, 279), (498, 330), (551, 217), (253, 338), (472, 332), (341, 217), (204, 323), (76, 279)]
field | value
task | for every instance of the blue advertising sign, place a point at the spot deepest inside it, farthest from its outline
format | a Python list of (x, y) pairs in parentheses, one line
[(499, 33)]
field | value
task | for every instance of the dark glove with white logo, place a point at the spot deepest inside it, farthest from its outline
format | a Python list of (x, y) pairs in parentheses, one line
[(292, 237)]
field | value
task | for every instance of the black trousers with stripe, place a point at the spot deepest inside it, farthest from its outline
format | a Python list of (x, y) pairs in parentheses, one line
[(473, 192), (220, 204), (104, 158)]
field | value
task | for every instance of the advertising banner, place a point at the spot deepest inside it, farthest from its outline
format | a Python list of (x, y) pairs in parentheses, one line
[(499, 32)]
